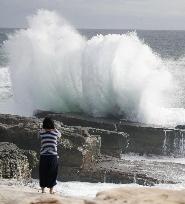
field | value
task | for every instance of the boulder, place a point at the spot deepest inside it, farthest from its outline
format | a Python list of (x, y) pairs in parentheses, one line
[(14, 163)]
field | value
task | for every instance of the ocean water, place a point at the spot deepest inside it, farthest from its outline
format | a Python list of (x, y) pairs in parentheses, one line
[(50, 65)]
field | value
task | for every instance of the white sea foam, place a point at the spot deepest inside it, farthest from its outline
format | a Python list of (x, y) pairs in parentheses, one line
[(5, 84), (157, 158), (84, 189), (71, 188), (53, 67)]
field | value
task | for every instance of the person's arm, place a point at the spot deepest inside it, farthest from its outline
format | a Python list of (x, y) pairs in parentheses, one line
[(38, 134), (58, 134)]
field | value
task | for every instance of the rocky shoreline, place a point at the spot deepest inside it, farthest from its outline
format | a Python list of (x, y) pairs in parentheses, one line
[(90, 149)]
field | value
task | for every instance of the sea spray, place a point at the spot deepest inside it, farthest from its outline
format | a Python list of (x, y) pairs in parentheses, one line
[(44, 64), (53, 67), (122, 76)]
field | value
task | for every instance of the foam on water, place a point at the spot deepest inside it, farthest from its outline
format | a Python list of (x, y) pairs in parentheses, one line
[(85, 189), (136, 157), (72, 188), (53, 67), (5, 83)]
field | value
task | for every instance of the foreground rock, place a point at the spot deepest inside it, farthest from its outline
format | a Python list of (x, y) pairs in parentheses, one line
[(10, 195), (141, 196), (14, 162)]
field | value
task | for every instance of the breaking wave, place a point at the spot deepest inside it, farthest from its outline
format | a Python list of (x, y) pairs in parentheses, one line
[(53, 67)]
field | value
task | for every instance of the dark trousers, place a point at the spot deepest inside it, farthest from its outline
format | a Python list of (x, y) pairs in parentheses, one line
[(48, 169)]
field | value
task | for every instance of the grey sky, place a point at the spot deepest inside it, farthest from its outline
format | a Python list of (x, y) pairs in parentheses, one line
[(135, 14)]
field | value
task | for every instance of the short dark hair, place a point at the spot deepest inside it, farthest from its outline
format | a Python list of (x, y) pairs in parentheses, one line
[(48, 123)]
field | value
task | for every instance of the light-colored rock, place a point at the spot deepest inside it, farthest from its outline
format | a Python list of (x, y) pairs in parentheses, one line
[(129, 195), (25, 195), (142, 196)]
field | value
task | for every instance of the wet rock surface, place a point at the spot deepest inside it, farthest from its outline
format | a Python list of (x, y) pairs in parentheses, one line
[(113, 170), (144, 172)]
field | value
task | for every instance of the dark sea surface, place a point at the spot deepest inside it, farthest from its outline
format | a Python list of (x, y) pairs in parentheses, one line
[(167, 43)]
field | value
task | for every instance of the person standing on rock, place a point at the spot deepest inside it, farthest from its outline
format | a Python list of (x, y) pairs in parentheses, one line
[(48, 164)]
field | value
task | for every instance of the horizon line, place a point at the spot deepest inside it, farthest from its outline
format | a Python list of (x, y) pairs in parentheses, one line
[(83, 28)]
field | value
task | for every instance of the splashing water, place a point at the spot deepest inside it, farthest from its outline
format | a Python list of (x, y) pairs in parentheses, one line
[(53, 67)]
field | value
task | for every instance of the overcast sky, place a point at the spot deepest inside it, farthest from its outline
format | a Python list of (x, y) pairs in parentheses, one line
[(134, 14)]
